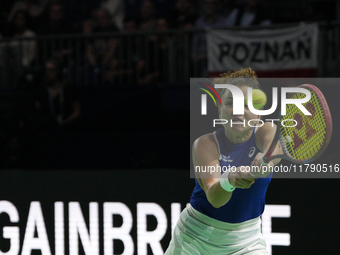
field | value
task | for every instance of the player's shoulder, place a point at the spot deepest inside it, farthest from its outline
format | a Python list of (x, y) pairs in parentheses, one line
[(205, 142), (205, 139)]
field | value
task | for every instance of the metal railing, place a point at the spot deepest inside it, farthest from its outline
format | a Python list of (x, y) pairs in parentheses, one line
[(160, 57), (102, 59)]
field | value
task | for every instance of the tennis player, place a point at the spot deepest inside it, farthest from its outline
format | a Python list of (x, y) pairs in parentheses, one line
[(224, 212)]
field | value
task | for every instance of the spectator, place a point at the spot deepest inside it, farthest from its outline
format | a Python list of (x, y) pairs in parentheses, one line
[(116, 10), (78, 11), (131, 24), (162, 7), (23, 51), (210, 19), (103, 22), (56, 102), (18, 55), (183, 15), (148, 15), (56, 23), (122, 68), (101, 51), (153, 65), (33, 7), (252, 13)]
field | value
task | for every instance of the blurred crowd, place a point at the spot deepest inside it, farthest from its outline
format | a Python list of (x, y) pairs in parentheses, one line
[(107, 42), (50, 67), (107, 57), (46, 17), (116, 58)]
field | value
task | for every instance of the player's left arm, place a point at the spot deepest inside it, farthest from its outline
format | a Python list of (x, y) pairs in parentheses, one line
[(264, 137)]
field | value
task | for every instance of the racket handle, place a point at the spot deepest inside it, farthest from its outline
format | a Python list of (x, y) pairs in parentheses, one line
[(263, 161)]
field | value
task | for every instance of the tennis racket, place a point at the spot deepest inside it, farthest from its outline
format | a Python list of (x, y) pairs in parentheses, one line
[(309, 138)]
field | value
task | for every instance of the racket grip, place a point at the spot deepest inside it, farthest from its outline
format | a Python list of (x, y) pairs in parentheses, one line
[(263, 161)]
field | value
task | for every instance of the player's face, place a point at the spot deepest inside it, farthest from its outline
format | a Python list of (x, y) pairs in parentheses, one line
[(226, 112)]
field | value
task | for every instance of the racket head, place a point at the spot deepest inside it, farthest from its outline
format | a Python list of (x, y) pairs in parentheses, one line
[(310, 137)]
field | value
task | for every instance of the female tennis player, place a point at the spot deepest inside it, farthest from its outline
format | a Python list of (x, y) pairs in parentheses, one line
[(224, 212)]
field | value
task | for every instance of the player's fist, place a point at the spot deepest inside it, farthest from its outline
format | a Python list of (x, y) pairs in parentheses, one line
[(258, 170), (240, 179)]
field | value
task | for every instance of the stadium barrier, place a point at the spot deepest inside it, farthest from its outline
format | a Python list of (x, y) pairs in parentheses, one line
[(161, 57)]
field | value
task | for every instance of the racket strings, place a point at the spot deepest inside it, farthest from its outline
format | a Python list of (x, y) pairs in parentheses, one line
[(306, 139)]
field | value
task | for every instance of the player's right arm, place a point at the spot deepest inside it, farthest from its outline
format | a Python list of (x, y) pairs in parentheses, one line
[(204, 154)]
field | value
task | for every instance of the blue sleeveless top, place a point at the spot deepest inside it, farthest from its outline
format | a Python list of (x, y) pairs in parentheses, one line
[(245, 204)]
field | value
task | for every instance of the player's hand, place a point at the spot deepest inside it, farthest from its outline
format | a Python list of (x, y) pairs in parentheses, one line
[(257, 169), (241, 179)]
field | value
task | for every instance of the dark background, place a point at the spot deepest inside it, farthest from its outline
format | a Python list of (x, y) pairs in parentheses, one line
[(132, 144), (136, 148), (313, 225)]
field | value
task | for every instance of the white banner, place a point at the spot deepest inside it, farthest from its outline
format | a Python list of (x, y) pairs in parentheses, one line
[(263, 50)]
